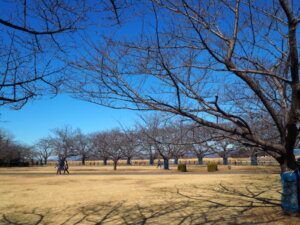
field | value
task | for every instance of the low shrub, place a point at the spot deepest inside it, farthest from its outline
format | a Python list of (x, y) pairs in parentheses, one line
[(181, 167), (211, 167)]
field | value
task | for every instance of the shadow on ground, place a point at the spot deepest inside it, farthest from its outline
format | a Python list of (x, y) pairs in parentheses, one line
[(223, 204)]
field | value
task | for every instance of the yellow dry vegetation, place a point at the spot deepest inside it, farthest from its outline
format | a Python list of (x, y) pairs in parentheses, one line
[(139, 169), (142, 199), (189, 161)]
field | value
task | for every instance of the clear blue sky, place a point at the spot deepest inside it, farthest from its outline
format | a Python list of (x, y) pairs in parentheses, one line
[(37, 118)]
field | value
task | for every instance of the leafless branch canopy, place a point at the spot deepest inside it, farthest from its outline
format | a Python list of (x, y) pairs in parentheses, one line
[(228, 65)]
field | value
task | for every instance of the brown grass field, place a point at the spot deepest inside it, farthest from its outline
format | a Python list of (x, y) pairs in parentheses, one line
[(138, 169), (171, 198)]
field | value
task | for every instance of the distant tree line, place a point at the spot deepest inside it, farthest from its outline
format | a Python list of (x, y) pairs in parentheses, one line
[(154, 137), (13, 153)]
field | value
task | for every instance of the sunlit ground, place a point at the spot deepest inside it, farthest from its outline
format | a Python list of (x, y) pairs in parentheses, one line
[(142, 199)]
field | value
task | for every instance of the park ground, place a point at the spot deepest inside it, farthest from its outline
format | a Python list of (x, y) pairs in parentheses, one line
[(142, 195)]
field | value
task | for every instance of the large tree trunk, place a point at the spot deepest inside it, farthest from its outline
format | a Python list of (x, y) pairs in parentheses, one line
[(290, 179)]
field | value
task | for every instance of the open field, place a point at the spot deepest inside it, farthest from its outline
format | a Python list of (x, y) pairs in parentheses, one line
[(139, 169), (142, 199)]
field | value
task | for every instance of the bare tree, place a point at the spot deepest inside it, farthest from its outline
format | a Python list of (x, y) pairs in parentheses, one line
[(110, 145), (145, 143), (13, 153), (200, 65), (36, 38), (222, 147), (174, 140), (131, 146), (63, 141), (115, 149), (44, 148), (229, 65), (163, 137), (197, 140), (100, 146), (82, 145)]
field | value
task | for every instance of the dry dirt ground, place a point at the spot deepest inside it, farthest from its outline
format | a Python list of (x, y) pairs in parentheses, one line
[(142, 199)]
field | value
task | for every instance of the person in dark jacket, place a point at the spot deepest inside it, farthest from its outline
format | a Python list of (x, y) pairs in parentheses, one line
[(66, 167)]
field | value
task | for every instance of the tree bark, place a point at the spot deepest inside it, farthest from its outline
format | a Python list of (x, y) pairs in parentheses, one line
[(83, 160), (128, 161), (225, 160), (254, 160), (200, 160), (115, 164), (105, 162), (175, 161), (151, 160), (166, 164), (290, 197)]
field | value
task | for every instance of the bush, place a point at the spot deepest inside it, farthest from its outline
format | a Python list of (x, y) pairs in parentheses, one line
[(212, 167), (181, 167)]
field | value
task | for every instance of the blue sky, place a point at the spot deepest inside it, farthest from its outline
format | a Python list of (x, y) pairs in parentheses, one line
[(37, 118)]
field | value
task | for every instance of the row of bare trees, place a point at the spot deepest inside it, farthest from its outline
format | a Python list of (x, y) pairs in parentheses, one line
[(154, 137), (13, 153)]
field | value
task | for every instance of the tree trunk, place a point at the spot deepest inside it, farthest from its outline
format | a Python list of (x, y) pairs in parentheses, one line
[(115, 164), (166, 164), (176, 161), (151, 160), (83, 160), (225, 160), (254, 160), (128, 161), (105, 162), (200, 160), (290, 180), (45, 161)]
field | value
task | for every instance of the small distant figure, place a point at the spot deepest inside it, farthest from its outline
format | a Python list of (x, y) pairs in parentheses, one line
[(66, 167), (59, 166), (158, 164)]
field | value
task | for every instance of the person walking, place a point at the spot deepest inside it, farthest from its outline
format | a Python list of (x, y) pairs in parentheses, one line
[(59, 166), (58, 171), (158, 164), (66, 167)]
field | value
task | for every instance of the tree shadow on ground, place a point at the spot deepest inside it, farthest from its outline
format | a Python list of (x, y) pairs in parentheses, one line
[(222, 204)]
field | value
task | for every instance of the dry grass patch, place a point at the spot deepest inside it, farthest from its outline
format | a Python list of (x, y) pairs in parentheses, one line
[(139, 169), (142, 199)]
